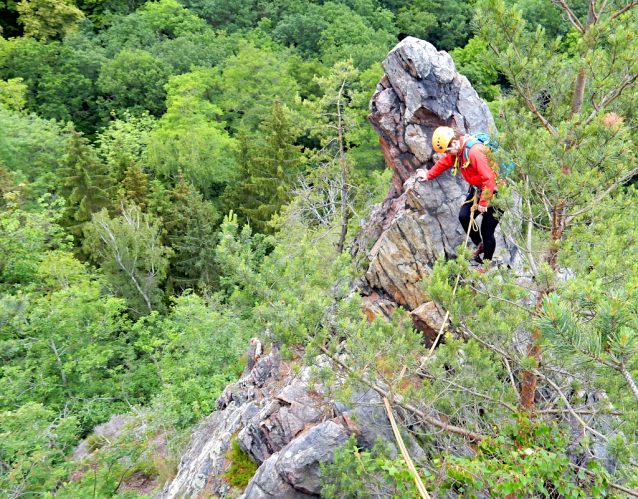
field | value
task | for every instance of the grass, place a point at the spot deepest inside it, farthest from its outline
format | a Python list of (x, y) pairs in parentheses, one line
[(242, 467)]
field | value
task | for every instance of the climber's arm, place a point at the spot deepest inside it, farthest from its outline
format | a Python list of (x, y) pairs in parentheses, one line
[(446, 162)]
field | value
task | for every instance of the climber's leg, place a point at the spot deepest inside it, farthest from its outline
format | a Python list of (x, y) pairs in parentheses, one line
[(488, 226), (464, 218)]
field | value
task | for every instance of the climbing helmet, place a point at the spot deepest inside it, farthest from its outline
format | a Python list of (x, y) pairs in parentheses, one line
[(441, 138)]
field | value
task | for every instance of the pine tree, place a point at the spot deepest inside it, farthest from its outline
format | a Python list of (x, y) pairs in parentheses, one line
[(268, 167), (134, 185), (86, 184)]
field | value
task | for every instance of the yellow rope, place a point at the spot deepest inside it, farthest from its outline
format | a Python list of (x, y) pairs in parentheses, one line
[(474, 225), (408, 460), (397, 434)]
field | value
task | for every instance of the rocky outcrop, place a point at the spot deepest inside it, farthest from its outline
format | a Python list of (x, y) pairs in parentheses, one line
[(417, 223), (284, 425), (287, 428)]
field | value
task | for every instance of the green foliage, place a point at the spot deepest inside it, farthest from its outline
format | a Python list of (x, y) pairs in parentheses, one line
[(193, 106), (129, 250), (327, 196), (47, 19), (68, 349), (544, 13), (25, 237), (249, 84), (519, 463), (133, 81), (12, 94), (268, 168), (471, 62), (192, 234), (86, 184), (125, 140), (194, 351), (34, 441), (289, 290), (190, 138), (445, 24), (31, 149), (242, 467), (348, 36), (61, 81), (170, 18), (134, 186), (358, 473)]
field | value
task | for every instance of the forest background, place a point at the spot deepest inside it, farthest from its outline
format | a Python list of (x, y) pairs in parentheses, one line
[(154, 158)]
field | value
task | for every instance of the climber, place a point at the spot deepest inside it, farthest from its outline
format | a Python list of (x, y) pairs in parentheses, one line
[(478, 174)]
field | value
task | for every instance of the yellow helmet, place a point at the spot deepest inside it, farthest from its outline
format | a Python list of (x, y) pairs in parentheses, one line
[(441, 138)]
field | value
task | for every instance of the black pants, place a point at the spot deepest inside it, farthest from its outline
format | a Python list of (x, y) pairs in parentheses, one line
[(488, 225)]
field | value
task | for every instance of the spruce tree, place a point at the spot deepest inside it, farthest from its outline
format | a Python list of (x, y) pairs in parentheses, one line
[(192, 234), (87, 186), (268, 166)]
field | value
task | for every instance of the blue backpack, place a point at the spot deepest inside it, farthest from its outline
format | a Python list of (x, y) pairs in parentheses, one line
[(483, 138)]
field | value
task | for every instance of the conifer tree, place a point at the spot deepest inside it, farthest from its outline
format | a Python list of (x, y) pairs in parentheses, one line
[(193, 237), (327, 195), (268, 167), (565, 129), (134, 185), (86, 184)]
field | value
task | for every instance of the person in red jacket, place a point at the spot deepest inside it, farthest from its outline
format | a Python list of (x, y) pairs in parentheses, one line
[(478, 174)]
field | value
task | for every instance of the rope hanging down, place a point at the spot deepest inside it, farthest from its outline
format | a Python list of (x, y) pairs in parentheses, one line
[(397, 435), (472, 225), (408, 460)]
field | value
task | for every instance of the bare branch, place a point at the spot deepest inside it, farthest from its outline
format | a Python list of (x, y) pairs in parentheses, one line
[(561, 4), (623, 10), (437, 423)]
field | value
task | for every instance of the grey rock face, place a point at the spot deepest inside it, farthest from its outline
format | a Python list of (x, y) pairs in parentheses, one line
[(283, 426), (418, 221), (269, 484), (299, 462)]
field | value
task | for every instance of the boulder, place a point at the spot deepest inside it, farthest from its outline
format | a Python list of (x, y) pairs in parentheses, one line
[(269, 484), (299, 462), (417, 223)]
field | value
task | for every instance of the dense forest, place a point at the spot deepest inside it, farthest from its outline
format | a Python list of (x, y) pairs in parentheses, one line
[(180, 176)]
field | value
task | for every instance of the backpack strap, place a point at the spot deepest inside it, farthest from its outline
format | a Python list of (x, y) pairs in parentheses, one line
[(465, 152)]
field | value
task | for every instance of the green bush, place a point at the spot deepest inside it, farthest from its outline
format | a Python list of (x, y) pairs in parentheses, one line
[(242, 467)]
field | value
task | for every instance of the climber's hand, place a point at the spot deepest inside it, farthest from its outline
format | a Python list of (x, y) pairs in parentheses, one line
[(482, 209), (421, 174)]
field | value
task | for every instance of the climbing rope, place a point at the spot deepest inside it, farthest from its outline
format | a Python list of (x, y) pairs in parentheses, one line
[(406, 456), (397, 434), (472, 225)]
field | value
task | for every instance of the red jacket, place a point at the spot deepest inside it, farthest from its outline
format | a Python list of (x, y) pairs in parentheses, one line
[(477, 173)]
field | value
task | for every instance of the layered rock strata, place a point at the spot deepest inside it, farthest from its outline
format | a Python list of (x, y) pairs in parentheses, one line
[(285, 427)]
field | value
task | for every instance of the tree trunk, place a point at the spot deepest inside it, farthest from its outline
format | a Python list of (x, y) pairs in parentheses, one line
[(60, 366), (528, 385), (344, 178), (581, 79)]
